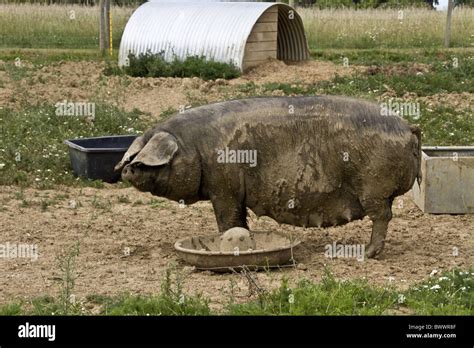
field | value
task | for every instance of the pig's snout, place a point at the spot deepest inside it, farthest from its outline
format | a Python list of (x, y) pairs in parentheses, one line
[(129, 173)]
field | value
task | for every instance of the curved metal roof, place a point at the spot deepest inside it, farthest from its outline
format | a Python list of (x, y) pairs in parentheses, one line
[(216, 30)]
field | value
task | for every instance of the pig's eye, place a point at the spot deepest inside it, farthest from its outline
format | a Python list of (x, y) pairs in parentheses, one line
[(143, 167)]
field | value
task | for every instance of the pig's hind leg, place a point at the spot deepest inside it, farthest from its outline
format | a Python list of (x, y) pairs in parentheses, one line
[(380, 212)]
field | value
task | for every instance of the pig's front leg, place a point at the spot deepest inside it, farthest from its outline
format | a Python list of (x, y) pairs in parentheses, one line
[(230, 212)]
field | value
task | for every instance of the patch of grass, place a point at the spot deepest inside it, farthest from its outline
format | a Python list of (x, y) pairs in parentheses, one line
[(42, 57), (92, 183), (32, 149), (155, 65), (17, 70), (450, 293), (379, 56), (444, 78), (56, 26), (444, 126), (171, 111), (383, 28), (157, 203), (365, 56), (112, 68), (330, 297), (40, 26), (45, 305), (248, 88), (171, 301), (11, 309)]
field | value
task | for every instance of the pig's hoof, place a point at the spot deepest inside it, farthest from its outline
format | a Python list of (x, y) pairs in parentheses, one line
[(372, 250)]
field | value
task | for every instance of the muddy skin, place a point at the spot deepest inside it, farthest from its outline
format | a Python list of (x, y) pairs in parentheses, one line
[(321, 161)]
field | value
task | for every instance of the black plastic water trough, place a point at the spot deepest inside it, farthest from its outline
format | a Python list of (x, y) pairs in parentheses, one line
[(95, 158)]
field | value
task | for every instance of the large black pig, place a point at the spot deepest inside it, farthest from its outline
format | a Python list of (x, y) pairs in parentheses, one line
[(306, 161)]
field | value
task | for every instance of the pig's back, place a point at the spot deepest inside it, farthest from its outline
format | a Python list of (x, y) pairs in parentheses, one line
[(290, 117)]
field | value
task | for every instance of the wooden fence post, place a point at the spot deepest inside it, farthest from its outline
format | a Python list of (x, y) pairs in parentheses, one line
[(447, 34), (101, 27), (107, 24)]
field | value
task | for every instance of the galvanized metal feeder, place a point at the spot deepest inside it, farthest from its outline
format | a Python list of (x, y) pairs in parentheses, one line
[(273, 249), (448, 180)]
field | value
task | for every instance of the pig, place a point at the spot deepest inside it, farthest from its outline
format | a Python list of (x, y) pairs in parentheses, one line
[(314, 161)]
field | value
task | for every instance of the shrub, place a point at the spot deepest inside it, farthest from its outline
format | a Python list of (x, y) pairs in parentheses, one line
[(155, 65)]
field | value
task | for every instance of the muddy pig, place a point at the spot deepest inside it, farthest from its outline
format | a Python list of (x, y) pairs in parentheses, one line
[(314, 161)]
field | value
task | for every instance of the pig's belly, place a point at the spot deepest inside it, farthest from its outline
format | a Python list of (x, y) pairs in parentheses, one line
[(316, 210)]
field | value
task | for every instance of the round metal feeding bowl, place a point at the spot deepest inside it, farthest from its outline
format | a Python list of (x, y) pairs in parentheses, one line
[(273, 249)]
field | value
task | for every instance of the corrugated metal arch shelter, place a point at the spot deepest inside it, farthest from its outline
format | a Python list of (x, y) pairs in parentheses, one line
[(242, 33)]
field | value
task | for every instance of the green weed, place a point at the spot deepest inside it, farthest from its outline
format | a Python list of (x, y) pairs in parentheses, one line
[(155, 65), (32, 146)]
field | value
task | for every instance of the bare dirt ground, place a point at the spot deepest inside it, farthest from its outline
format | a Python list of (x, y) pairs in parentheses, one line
[(107, 221), (84, 81)]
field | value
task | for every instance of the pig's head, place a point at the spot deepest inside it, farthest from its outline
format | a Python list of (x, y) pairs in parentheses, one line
[(158, 165)]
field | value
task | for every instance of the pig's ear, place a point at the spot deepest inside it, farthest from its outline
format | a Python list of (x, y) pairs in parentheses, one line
[(135, 148), (159, 150)]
